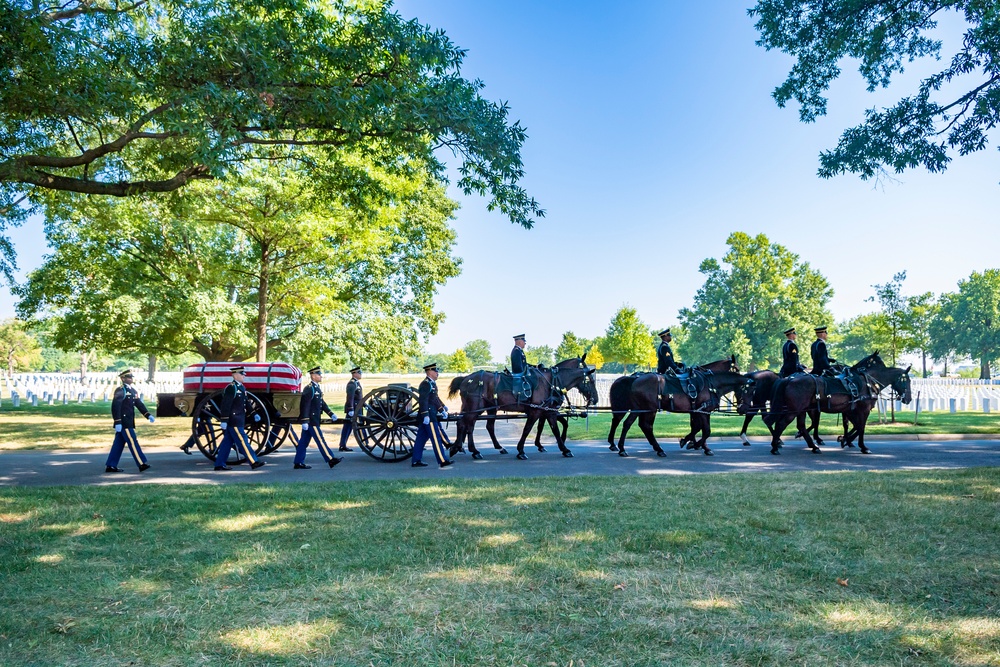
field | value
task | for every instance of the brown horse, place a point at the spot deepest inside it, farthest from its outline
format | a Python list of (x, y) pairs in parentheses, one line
[(796, 395), (642, 396), (479, 395)]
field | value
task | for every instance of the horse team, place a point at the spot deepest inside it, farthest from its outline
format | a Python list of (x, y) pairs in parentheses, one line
[(698, 391)]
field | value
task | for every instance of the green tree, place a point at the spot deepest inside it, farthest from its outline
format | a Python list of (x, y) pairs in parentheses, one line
[(479, 352), (116, 99), (743, 309), (969, 320), (856, 338), (571, 346), (539, 354), (628, 340), (594, 356), (943, 115), (894, 314), (19, 349), (458, 362), (921, 311)]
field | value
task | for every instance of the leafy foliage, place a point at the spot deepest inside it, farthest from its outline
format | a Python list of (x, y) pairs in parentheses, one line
[(969, 320), (921, 129), (479, 352), (628, 340), (19, 350)]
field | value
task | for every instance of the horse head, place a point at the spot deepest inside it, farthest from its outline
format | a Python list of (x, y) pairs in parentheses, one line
[(745, 395), (901, 386), (870, 362), (584, 382)]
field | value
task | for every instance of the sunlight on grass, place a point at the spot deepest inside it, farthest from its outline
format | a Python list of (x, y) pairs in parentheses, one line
[(284, 640), (499, 540), (583, 536), (443, 492), (243, 563), (76, 529), (526, 501), (50, 559), (246, 522), (490, 574), (343, 505), (16, 517), (713, 603), (143, 586), (475, 522)]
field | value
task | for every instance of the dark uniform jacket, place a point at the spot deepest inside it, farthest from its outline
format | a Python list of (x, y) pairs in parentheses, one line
[(124, 404), (234, 403), (354, 396), (428, 403), (665, 358), (312, 406), (518, 362), (790, 359), (821, 358)]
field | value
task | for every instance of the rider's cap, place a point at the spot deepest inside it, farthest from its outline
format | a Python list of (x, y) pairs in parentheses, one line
[(665, 332), (316, 369), (356, 369), (789, 331), (820, 329), (431, 367), (238, 369), (125, 374), (519, 337)]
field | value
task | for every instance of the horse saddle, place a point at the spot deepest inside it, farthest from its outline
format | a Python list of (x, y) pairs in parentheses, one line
[(522, 385), (689, 382), (844, 381)]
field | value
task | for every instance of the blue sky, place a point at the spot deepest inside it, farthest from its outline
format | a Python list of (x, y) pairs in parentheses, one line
[(652, 137)]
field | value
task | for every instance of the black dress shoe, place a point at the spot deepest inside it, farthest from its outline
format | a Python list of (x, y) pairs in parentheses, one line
[(335, 460), (418, 464), (446, 464), (345, 449), (256, 464), (144, 466), (113, 469), (302, 466), (223, 468)]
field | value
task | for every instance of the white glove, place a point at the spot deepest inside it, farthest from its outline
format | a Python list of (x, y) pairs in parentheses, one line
[(118, 428), (427, 420), (256, 418), (334, 416), (151, 419), (305, 427), (224, 425), (444, 411), (350, 413)]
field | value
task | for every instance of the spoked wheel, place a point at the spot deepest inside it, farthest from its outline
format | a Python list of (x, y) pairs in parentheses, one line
[(207, 429), (277, 437), (386, 425)]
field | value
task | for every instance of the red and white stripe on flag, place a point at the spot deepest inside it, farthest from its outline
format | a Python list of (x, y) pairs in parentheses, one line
[(260, 377)]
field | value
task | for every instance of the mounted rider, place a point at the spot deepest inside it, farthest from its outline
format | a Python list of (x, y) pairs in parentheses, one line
[(822, 363), (521, 385), (790, 355), (664, 355)]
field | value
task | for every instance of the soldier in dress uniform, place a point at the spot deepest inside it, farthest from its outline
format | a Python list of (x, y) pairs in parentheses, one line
[(820, 356), (311, 409), (518, 362), (233, 413), (429, 405), (123, 406), (790, 355), (354, 397), (664, 355)]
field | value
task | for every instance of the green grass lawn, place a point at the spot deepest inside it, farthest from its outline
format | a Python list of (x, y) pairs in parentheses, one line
[(669, 425), (894, 568)]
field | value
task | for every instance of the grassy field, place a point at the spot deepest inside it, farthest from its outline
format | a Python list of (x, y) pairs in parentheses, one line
[(795, 569)]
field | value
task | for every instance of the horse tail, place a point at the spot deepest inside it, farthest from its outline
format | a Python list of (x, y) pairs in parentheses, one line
[(456, 385)]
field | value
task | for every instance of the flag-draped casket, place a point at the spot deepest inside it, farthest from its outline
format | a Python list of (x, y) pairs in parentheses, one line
[(261, 378)]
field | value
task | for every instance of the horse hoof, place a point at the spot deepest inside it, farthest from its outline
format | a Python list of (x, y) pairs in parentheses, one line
[(775, 451), (568, 454), (477, 456), (865, 450), (503, 451), (660, 452), (622, 453), (682, 443), (522, 456), (691, 445), (709, 452), (817, 450), (540, 448)]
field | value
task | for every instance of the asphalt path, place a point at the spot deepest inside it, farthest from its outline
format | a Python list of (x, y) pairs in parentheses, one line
[(590, 457)]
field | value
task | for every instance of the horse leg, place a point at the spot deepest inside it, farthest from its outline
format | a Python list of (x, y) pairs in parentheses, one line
[(554, 423), (781, 422), (800, 421), (529, 424), (743, 433), (690, 439), (814, 416), (646, 426), (859, 424), (616, 419), (491, 426), (470, 426), (625, 427), (538, 435), (706, 430)]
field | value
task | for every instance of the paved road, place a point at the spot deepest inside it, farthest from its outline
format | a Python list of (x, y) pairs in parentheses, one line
[(170, 466)]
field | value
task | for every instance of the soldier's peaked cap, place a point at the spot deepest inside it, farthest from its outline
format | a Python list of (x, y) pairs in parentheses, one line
[(125, 374), (431, 367), (665, 332), (316, 369), (820, 329), (356, 369), (790, 331), (238, 369), (519, 337)]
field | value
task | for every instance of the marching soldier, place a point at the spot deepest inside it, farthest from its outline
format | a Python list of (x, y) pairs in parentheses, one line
[(790, 355), (311, 409), (354, 397), (233, 413), (518, 362), (123, 406), (429, 405), (820, 356), (664, 355)]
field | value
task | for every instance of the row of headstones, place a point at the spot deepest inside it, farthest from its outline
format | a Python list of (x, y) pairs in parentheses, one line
[(952, 405)]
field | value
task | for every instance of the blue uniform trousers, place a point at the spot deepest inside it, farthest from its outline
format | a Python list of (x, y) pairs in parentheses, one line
[(125, 437), (313, 433), (235, 435), (430, 433), (348, 429)]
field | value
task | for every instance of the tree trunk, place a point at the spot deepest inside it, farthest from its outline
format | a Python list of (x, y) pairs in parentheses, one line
[(10, 361), (923, 355), (84, 364), (262, 287), (984, 369), (151, 368)]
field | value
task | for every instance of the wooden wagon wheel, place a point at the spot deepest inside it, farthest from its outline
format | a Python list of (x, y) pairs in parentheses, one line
[(278, 435), (386, 425), (207, 430)]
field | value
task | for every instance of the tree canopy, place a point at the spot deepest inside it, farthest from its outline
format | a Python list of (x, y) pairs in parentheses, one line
[(968, 322), (628, 340), (950, 111), (743, 309), (107, 98)]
